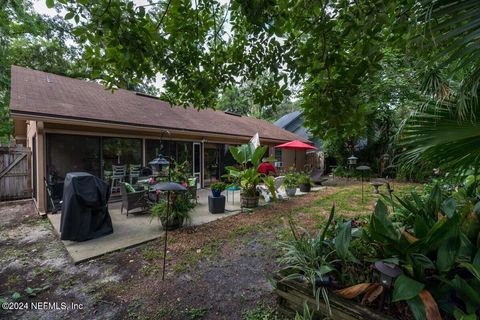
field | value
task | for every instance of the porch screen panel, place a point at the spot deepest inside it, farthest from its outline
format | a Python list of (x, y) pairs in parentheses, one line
[(154, 148), (70, 153), (121, 151)]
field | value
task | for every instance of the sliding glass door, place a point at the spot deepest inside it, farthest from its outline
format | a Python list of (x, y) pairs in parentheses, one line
[(211, 163)]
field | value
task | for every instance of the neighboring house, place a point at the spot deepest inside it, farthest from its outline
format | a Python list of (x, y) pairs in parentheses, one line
[(74, 125), (293, 122)]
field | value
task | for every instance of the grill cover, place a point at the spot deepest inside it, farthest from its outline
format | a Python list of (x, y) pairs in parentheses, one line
[(85, 212)]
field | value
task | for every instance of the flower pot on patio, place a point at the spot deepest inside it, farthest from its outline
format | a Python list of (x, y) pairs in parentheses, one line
[(249, 201), (291, 191), (173, 223), (305, 187), (216, 204)]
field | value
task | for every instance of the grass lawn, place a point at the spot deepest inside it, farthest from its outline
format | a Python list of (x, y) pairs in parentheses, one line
[(220, 270)]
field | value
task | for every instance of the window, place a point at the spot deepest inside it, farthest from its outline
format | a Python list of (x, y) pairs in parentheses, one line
[(278, 154)]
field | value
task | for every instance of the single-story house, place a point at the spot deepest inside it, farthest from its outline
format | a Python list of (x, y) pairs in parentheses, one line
[(76, 125)]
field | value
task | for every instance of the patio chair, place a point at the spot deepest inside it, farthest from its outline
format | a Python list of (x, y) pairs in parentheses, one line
[(265, 193), (192, 188), (118, 176), (134, 172), (278, 185), (133, 200), (317, 177)]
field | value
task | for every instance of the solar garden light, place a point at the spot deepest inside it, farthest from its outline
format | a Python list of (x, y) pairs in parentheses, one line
[(388, 272), (352, 160)]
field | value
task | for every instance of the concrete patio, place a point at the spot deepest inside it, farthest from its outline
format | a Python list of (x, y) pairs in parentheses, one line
[(137, 228)]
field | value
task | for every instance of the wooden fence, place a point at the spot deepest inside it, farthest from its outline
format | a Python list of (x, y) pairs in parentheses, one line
[(14, 173)]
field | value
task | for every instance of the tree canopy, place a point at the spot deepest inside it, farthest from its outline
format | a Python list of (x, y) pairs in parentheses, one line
[(201, 47)]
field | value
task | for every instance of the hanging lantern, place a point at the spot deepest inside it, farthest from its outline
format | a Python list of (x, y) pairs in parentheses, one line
[(157, 164)]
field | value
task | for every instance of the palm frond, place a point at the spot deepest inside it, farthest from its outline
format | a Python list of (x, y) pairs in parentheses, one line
[(455, 29), (437, 136)]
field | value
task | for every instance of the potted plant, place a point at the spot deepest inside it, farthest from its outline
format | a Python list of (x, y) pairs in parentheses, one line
[(290, 183), (217, 188), (216, 202), (249, 157), (180, 208), (304, 182)]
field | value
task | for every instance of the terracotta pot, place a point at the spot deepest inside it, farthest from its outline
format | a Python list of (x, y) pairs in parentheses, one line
[(249, 201), (305, 187)]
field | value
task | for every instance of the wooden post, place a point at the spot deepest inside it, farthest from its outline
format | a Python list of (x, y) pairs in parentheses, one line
[(41, 161)]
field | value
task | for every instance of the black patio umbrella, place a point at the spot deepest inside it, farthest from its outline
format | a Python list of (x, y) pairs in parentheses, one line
[(362, 169), (167, 186)]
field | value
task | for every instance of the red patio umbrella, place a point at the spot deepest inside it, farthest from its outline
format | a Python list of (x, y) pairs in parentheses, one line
[(296, 145)]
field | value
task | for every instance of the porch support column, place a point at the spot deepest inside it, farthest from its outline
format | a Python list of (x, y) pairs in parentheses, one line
[(144, 159), (41, 160)]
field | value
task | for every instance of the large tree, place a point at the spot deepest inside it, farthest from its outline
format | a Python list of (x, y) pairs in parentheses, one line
[(202, 47), (35, 41)]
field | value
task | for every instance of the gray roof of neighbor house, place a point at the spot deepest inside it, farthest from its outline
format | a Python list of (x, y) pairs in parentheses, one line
[(38, 93), (293, 122)]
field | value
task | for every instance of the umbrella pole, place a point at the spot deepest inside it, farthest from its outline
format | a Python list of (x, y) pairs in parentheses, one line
[(166, 233), (295, 160)]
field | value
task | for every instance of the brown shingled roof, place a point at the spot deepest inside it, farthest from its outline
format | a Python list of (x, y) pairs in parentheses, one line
[(33, 93)]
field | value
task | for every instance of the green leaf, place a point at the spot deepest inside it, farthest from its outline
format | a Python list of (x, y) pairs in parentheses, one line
[(50, 3), (406, 288), (476, 208), (417, 307), (476, 259), (473, 268), (449, 206), (466, 293), (69, 15), (447, 254), (16, 296), (342, 241), (381, 228)]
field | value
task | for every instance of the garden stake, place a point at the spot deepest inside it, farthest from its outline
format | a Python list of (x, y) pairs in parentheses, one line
[(169, 186), (166, 234)]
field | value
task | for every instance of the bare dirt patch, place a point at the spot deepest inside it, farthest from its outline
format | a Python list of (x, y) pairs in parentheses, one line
[(220, 270)]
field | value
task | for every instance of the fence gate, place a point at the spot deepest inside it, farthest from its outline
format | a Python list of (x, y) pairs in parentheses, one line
[(14, 173)]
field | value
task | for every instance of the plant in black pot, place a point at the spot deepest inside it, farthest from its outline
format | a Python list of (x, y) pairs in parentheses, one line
[(216, 202), (290, 183), (218, 188), (304, 182), (181, 207)]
